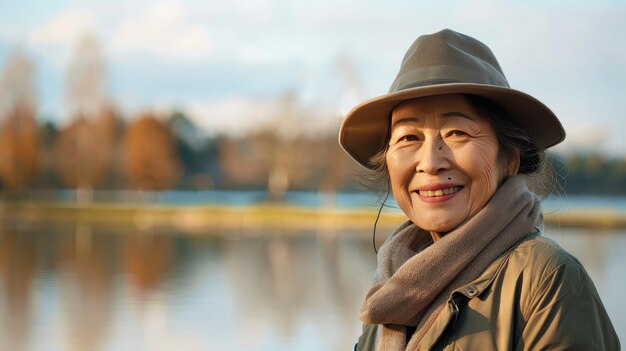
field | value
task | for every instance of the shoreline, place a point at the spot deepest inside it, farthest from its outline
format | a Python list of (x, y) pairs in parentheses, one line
[(200, 218)]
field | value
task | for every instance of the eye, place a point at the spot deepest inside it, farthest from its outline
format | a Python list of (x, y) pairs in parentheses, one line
[(408, 137), (457, 133)]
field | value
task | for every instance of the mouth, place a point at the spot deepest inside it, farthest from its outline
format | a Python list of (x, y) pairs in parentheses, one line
[(439, 192)]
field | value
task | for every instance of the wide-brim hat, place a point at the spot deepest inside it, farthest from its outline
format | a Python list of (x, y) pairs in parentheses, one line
[(445, 62)]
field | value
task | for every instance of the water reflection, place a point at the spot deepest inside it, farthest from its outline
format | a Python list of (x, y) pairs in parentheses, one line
[(85, 282), (17, 269), (79, 286)]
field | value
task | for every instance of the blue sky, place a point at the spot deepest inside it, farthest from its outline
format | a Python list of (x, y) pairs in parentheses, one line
[(225, 62)]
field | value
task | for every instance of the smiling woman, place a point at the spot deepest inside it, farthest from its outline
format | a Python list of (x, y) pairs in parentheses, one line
[(469, 268), (443, 161)]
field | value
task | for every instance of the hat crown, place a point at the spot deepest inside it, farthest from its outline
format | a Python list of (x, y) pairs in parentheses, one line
[(448, 57), (445, 62)]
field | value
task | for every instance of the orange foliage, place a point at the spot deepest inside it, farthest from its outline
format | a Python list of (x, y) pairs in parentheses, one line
[(150, 159), (19, 140), (83, 150)]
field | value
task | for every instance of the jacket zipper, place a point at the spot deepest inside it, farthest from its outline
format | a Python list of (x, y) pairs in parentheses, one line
[(455, 312), (452, 325)]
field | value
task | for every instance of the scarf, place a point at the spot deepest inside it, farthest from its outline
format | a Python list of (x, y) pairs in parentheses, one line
[(416, 277)]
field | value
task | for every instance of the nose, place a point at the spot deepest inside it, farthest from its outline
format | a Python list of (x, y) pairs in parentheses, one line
[(432, 157)]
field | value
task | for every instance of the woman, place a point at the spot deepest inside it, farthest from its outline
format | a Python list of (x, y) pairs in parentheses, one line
[(469, 269)]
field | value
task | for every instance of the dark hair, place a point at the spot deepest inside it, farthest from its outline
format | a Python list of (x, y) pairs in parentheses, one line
[(534, 162)]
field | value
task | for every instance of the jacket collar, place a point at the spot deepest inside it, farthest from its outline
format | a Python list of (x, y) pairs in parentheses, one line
[(482, 283)]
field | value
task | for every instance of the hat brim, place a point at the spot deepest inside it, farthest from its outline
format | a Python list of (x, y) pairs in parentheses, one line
[(363, 132)]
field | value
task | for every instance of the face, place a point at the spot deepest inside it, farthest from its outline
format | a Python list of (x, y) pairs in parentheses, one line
[(443, 161)]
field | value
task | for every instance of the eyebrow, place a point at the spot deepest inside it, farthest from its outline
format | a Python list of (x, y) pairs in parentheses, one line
[(405, 121), (443, 115), (455, 114)]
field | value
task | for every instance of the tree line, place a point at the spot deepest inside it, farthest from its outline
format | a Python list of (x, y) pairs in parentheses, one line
[(100, 148), (171, 152), (591, 174), (156, 153)]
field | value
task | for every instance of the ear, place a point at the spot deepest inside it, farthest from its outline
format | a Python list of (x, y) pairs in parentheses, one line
[(513, 163)]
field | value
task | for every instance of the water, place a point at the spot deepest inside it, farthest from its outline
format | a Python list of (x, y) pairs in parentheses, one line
[(303, 199), (67, 286)]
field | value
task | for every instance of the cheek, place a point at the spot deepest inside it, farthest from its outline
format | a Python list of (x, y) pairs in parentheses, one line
[(399, 167), (400, 173), (485, 170)]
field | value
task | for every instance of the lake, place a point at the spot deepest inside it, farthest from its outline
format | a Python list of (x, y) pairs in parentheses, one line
[(306, 199), (81, 286)]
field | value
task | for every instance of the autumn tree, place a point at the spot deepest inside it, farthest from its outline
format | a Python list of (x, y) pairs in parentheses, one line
[(18, 129), (83, 150), (289, 152), (85, 145), (247, 160), (150, 160)]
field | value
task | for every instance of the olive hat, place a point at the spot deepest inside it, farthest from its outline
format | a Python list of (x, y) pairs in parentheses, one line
[(445, 62)]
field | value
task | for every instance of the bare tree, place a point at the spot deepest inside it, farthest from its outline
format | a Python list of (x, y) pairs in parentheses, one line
[(86, 80)]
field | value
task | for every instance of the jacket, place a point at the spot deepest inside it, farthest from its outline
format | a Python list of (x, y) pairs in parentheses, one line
[(534, 297)]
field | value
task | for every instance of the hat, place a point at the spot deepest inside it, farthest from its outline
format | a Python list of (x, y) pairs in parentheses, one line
[(445, 62)]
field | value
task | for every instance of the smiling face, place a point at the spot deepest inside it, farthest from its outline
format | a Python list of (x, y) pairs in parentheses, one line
[(443, 161)]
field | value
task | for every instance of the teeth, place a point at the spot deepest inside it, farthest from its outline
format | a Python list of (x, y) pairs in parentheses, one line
[(440, 192)]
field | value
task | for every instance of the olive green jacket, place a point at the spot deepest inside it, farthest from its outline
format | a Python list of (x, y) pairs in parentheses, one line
[(535, 297)]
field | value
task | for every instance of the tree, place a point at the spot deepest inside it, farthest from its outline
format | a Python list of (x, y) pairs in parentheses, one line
[(18, 130), (83, 148), (150, 160), (197, 153)]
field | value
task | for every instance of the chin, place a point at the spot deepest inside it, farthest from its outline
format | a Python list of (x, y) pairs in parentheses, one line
[(438, 221), (437, 227), (441, 230)]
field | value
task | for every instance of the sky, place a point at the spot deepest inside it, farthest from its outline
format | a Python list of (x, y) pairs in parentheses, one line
[(229, 64)]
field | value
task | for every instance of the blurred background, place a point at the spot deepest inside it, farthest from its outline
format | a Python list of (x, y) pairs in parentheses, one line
[(170, 176)]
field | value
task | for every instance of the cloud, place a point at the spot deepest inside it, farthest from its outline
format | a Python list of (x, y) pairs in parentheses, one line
[(64, 29), (239, 116), (234, 116), (567, 55), (165, 29), (53, 40)]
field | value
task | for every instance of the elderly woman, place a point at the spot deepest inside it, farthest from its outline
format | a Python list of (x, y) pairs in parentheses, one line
[(469, 269)]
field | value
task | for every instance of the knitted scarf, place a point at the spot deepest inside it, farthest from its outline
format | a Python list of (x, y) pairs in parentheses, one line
[(415, 277)]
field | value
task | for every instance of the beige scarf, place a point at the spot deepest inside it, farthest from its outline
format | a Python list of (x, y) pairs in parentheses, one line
[(412, 283)]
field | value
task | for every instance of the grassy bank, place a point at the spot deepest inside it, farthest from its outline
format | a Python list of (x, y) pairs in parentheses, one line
[(200, 218)]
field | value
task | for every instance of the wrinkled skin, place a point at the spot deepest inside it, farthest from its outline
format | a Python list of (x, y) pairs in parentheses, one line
[(442, 142)]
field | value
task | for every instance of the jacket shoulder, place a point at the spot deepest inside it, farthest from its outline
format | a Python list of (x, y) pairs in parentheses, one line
[(539, 266), (556, 294), (540, 256)]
